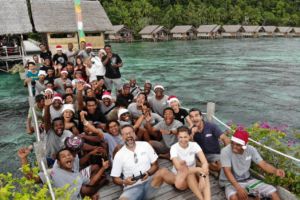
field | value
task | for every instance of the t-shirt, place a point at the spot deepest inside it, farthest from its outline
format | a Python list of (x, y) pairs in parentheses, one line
[(187, 154), (112, 72), (135, 90), (130, 163), (97, 68), (45, 68), (60, 177), (55, 143), (209, 138), (46, 54), (98, 116), (135, 113), (55, 113), (60, 59), (71, 55), (181, 115), (155, 118), (39, 87), (169, 139), (60, 84), (104, 109), (128, 99), (158, 106), (38, 112), (239, 163), (33, 75)]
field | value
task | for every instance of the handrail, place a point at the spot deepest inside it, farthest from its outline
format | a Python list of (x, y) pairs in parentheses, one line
[(38, 138), (260, 144)]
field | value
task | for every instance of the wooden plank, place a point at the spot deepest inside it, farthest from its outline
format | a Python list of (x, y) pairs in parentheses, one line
[(112, 191)]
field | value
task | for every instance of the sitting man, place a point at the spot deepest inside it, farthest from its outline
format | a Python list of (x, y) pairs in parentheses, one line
[(63, 174), (160, 101), (137, 161), (235, 176), (167, 129), (207, 135)]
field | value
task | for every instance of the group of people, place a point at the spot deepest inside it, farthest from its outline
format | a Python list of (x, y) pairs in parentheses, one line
[(90, 132)]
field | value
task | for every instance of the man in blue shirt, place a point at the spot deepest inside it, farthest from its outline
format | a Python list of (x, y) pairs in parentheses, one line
[(207, 135)]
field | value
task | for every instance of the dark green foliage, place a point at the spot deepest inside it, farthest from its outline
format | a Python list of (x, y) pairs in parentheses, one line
[(138, 13)]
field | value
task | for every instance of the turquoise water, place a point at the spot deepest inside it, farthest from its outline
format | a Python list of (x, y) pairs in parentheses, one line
[(250, 80)]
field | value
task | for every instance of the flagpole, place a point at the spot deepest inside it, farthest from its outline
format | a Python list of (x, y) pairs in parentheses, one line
[(81, 35)]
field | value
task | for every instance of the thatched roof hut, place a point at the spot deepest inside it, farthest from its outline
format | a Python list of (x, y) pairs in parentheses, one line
[(269, 31), (120, 33), (154, 32), (284, 31), (297, 31), (58, 16), (232, 30), (208, 31), (252, 31), (14, 17), (184, 32)]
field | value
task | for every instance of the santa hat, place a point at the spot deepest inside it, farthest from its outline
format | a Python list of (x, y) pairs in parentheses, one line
[(172, 99), (122, 111), (64, 72), (87, 85), (102, 51), (241, 137), (58, 47), (68, 107), (42, 73), (57, 97), (88, 45), (159, 86), (48, 90), (106, 94)]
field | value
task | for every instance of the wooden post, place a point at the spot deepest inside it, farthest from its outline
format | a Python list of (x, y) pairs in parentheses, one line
[(210, 111)]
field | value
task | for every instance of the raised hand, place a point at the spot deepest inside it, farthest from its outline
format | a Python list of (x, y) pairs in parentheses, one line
[(48, 99), (23, 152)]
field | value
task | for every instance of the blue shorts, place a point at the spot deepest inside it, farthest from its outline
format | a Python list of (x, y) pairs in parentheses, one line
[(140, 191)]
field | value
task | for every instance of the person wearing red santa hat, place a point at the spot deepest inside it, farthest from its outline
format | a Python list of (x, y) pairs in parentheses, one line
[(236, 160), (181, 114), (60, 59)]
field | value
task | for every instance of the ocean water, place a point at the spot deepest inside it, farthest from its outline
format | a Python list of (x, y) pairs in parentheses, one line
[(250, 80)]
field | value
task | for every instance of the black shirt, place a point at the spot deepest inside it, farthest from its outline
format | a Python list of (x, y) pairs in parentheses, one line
[(46, 54), (45, 68), (128, 99), (98, 116), (181, 115), (112, 72), (60, 59)]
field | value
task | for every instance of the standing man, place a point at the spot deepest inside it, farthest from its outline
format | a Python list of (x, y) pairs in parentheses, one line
[(60, 58), (71, 53), (138, 159), (207, 135), (45, 53), (112, 63), (236, 160)]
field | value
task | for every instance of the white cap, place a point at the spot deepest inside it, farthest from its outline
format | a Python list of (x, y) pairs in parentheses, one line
[(48, 90), (122, 111), (68, 107), (42, 72), (159, 86)]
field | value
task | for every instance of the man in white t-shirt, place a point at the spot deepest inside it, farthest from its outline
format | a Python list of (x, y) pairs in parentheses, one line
[(137, 161)]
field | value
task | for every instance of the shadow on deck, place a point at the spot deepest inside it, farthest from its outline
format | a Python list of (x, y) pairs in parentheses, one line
[(112, 191)]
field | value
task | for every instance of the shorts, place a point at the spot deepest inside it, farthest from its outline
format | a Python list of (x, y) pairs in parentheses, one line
[(116, 82), (160, 147), (140, 191), (212, 157), (259, 188)]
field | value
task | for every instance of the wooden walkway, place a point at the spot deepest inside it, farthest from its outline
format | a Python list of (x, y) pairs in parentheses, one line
[(112, 191)]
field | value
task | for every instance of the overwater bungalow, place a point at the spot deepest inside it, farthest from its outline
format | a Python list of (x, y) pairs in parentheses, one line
[(154, 33), (14, 23), (269, 31), (56, 20), (284, 31), (209, 31), (184, 32), (120, 33), (252, 31), (232, 31), (297, 31)]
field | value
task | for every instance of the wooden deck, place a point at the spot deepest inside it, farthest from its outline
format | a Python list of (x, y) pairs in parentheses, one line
[(112, 191)]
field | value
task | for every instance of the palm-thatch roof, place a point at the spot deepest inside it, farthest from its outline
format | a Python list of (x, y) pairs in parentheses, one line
[(232, 28), (208, 28), (148, 29), (117, 28), (252, 29), (58, 16), (284, 29), (270, 29), (182, 29), (160, 28), (297, 29), (14, 17)]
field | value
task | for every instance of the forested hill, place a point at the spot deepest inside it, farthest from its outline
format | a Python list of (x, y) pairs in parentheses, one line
[(138, 13)]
